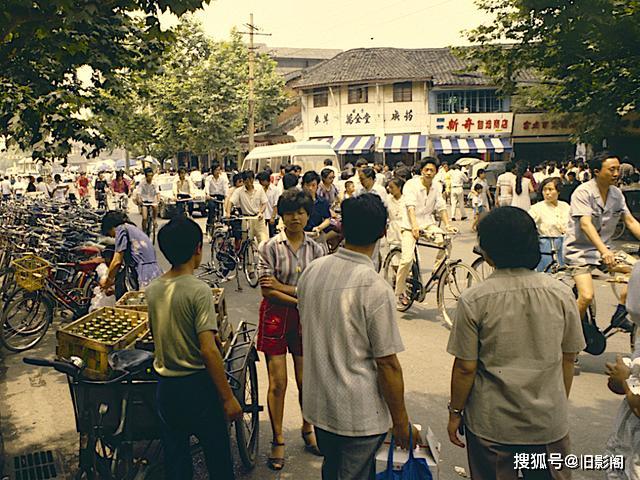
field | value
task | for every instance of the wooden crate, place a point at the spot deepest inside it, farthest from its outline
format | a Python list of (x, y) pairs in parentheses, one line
[(133, 301), (95, 352)]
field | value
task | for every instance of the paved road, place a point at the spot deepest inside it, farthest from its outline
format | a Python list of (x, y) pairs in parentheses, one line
[(36, 411)]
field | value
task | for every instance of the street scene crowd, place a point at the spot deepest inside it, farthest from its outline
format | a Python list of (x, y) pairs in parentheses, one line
[(331, 289)]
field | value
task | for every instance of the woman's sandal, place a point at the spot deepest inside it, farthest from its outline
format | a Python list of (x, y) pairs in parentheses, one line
[(308, 446), (276, 463)]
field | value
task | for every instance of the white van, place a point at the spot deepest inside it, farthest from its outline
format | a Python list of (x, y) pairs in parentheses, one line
[(310, 155)]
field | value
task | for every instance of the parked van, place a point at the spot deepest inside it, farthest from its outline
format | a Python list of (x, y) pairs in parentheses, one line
[(310, 155)]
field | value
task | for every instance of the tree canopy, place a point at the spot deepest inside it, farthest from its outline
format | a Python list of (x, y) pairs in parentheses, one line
[(43, 43), (196, 102), (585, 53)]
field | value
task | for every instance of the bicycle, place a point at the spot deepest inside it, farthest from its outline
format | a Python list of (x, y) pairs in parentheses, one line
[(589, 322), (182, 205), (28, 312), (101, 199), (122, 202), (451, 277), (149, 225), (226, 261), (217, 205)]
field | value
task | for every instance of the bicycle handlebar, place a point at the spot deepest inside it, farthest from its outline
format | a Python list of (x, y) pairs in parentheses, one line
[(72, 370)]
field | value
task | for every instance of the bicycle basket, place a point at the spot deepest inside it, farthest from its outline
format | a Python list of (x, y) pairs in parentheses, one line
[(31, 272)]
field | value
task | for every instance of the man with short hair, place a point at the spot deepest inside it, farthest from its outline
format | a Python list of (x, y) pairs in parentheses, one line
[(183, 189), (328, 163), (368, 184), (216, 188), (458, 177), (515, 338), (270, 211), (422, 198), (253, 202), (193, 395), (596, 208), (320, 217), (353, 389), (147, 192)]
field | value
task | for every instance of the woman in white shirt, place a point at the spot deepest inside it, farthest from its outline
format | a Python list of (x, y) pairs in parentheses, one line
[(521, 188), (551, 217), (395, 205)]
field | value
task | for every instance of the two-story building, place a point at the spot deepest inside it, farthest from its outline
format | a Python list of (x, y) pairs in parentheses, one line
[(389, 104)]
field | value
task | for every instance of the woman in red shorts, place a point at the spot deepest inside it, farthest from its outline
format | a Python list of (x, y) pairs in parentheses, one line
[(282, 259)]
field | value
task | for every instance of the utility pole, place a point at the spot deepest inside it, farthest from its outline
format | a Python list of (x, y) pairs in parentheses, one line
[(253, 30)]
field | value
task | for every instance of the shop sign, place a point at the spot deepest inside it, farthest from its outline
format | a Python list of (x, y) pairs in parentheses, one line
[(539, 124), (471, 123)]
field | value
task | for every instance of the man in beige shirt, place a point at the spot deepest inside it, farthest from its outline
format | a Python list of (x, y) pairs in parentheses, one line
[(515, 338)]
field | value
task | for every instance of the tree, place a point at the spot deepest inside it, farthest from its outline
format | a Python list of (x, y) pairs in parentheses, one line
[(43, 100), (198, 100), (584, 52)]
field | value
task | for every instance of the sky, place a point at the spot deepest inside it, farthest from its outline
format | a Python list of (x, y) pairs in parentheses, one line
[(344, 24)]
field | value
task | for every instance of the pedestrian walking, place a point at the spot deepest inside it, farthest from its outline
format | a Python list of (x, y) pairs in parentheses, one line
[(458, 178), (515, 338), (283, 258), (521, 188), (353, 385)]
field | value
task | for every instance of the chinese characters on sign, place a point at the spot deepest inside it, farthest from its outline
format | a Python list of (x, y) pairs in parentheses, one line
[(324, 120), (357, 117), (545, 125), (408, 115), (496, 124)]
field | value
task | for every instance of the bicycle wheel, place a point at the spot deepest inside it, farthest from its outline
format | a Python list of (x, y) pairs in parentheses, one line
[(390, 271), (481, 266), (633, 336), (25, 320), (250, 263), (455, 280), (222, 261), (247, 429)]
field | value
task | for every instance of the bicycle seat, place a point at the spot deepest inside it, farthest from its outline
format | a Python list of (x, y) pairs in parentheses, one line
[(130, 360)]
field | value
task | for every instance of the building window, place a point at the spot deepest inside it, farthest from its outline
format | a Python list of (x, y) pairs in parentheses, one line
[(402, 92), (320, 97), (358, 94), (468, 101)]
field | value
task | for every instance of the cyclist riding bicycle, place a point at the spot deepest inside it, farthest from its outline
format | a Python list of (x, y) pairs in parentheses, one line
[(252, 201), (121, 187), (422, 198), (216, 187), (183, 189), (596, 208), (147, 193), (100, 187)]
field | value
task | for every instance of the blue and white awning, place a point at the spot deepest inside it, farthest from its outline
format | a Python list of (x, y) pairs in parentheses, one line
[(403, 143), (355, 145), (447, 146)]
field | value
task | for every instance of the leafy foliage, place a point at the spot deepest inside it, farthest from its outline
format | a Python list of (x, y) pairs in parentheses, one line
[(198, 100), (43, 43), (584, 51)]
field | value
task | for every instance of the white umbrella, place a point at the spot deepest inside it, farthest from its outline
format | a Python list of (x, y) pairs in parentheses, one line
[(467, 161)]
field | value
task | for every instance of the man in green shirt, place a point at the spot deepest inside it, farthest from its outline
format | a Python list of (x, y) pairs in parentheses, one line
[(193, 395)]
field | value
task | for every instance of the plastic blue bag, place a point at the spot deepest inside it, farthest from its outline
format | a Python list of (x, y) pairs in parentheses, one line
[(414, 469)]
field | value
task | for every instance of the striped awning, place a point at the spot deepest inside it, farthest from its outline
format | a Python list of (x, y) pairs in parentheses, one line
[(471, 145), (322, 139), (356, 144), (404, 143)]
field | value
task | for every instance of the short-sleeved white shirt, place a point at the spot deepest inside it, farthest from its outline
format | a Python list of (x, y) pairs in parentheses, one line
[(586, 201), (249, 202), (425, 203)]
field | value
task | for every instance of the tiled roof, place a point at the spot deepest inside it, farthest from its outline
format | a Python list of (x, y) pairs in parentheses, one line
[(290, 52), (438, 65)]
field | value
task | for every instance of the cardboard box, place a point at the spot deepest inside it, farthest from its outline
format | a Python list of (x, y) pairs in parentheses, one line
[(429, 451)]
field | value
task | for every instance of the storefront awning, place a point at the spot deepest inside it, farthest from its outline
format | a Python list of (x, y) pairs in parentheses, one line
[(355, 145), (322, 139), (471, 145), (403, 143)]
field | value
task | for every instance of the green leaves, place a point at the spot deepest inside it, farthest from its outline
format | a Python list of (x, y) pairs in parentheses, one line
[(42, 45), (197, 99), (586, 53)]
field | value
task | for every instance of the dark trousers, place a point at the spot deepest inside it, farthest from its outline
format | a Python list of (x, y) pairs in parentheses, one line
[(191, 406), (214, 209), (348, 458), (496, 461), (272, 228)]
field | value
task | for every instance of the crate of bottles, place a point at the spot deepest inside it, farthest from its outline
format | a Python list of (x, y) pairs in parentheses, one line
[(97, 334), (133, 301)]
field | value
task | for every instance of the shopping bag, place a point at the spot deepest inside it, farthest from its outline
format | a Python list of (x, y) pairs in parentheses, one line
[(414, 469)]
